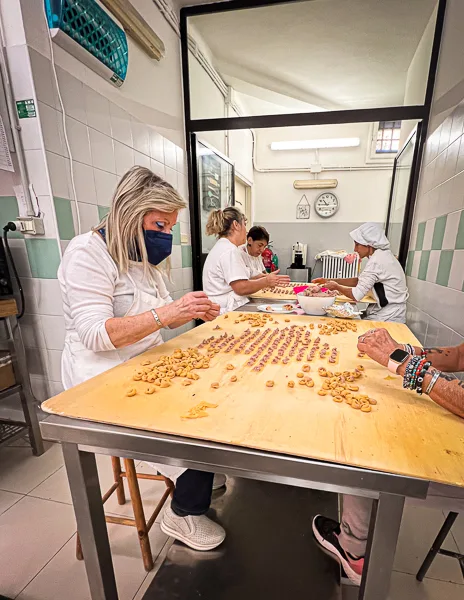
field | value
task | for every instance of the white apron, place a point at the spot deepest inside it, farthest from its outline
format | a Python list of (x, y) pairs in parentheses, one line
[(78, 364)]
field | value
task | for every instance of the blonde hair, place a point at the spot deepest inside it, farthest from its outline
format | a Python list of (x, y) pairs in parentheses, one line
[(220, 221), (138, 193)]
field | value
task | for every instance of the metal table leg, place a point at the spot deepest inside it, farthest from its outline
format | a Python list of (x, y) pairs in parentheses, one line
[(22, 377), (82, 473), (386, 516)]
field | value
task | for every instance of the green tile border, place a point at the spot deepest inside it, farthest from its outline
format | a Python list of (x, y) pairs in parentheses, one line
[(176, 234), (64, 218), (420, 236), (44, 257), (186, 256), (444, 267), (409, 263), (424, 264), (439, 232), (459, 245), (103, 211), (9, 212)]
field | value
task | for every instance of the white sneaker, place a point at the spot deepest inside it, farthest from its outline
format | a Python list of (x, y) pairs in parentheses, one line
[(198, 532), (219, 481)]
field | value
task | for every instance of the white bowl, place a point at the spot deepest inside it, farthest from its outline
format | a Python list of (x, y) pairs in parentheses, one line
[(315, 305)]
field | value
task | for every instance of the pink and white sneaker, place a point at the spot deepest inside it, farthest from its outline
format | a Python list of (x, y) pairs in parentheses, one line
[(326, 532)]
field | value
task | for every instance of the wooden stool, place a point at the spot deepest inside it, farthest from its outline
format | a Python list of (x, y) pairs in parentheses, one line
[(143, 526)]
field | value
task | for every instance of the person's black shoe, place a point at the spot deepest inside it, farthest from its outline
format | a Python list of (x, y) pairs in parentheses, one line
[(326, 532)]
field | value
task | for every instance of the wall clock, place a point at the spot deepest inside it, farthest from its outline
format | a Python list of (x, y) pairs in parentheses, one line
[(326, 205)]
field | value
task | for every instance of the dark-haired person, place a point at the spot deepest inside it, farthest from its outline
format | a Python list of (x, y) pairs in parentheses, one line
[(347, 540), (257, 241), (226, 278)]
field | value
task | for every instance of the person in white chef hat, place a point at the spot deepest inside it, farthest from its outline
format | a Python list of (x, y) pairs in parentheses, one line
[(383, 276)]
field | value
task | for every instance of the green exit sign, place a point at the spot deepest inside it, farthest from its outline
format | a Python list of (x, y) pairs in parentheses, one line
[(26, 109)]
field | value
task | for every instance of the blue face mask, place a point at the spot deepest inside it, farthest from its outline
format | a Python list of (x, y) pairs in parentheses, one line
[(158, 245)]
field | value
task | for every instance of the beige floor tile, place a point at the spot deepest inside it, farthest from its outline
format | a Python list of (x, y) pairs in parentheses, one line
[(458, 532), (56, 488), (32, 532), (406, 587), (7, 499), (418, 531), (21, 471), (64, 577)]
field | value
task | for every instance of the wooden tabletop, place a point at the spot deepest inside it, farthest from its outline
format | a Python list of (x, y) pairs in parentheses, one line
[(8, 308), (404, 434), (286, 294)]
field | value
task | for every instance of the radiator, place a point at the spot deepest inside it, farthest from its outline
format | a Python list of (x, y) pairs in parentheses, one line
[(335, 267)]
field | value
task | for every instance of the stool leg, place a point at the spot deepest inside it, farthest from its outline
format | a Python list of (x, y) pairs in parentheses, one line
[(79, 554), (139, 515), (435, 549), (116, 463)]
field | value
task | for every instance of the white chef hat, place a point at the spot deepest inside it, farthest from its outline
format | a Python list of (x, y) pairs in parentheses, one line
[(371, 234)]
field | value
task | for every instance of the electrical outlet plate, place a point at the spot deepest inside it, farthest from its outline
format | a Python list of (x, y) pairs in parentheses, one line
[(184, 238), (31, 225)]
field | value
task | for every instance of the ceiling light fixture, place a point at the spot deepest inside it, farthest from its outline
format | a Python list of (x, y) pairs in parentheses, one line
[(316, 144), (315, 184)]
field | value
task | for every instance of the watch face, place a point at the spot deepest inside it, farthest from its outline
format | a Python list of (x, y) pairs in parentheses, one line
[(326, 205), (399, 355)]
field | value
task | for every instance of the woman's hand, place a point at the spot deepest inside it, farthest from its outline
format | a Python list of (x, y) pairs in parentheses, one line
[(378, 344), (212, 313), (319, 280), (273, 279), (331, 285), (194, 305)]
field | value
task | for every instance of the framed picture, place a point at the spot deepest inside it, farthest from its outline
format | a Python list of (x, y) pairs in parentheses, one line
[(303, 208)]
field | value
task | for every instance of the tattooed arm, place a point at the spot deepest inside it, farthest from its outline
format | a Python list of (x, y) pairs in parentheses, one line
[(448, 391), (449, 360)]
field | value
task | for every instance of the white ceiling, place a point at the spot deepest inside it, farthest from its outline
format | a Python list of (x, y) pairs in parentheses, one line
[(319, 54)]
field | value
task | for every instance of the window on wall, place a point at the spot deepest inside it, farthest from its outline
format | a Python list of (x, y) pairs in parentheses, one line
[(388, 137)]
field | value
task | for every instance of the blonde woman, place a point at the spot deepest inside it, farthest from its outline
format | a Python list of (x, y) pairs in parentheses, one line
[(226, 276), (115, 305)]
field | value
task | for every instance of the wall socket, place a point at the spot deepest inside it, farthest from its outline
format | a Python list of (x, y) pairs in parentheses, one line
[(31, 225), (184, 238)]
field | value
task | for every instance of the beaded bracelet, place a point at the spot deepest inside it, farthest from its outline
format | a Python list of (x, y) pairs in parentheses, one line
[(409, 349), (410, 367), (415, 373), (420, 378)]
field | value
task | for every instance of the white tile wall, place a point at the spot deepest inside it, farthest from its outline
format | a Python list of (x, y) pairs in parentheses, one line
[(157, 168), (72, 93), (124, 157), (59, 179), (142, 160), (78, 136), (102, 151), (37, 170), (49, 119), (53, 331), (156, 146), (98, 111), (170, 155), (88, 214), (176, 257), (121, 125), (84, 182), (141, 137), (18, 250), (105, 185)]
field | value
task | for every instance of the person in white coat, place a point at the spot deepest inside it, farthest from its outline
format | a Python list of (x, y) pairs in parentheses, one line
[(115, 305), (257, 241), (383, 276), (226, 277)]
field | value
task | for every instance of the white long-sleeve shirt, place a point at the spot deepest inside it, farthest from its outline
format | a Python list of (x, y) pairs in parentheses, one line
[(94, 290), (254, 263), (385, 278)]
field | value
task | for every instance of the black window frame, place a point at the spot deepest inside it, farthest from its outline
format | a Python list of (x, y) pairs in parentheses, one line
[(419, 112)]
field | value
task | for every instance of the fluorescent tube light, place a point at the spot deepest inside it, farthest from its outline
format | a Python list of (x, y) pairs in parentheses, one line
[(314, 184), (316, 144)]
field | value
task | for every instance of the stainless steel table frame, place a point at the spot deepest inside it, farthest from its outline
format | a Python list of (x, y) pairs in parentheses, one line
[(81, 440)]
